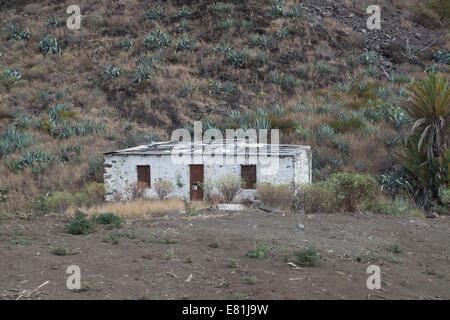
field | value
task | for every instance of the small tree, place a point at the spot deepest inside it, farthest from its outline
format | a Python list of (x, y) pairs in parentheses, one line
[(163, 188), (136, 190), (229, 185)]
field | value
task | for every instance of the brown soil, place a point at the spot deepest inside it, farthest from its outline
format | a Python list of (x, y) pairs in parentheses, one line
[(136, 268)]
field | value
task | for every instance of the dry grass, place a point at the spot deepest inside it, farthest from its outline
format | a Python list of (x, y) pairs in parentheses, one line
[(142, 209)]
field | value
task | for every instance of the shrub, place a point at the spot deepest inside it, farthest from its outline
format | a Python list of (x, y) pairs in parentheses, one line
[(396, 207), (313, 198), (136, 190), (444, 195), (80, 224), (95, 193), (278, 196), (80, 199), (346, 125), (229, 186), (3, 193), (109, 219), (60, 201), (208, 191), (259, 251), (308, 257), (425, 16), (95, 169), (351, 189), (60, 251), (163, 188)]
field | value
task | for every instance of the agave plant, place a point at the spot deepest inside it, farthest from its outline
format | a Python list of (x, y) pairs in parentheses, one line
[(183, 12), (52, 21), (276, 9), (156, 40), (426, 155), (111, 71), (154, 13), (49, 45), (185, 43), (15, 33)]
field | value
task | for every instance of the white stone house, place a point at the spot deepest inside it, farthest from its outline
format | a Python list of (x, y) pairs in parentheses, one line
[(188, 165)]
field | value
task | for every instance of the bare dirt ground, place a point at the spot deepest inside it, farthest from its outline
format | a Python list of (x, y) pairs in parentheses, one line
[(141, 266)]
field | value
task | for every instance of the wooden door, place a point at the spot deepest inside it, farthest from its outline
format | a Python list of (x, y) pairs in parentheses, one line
[(248, 175), (196, 182)]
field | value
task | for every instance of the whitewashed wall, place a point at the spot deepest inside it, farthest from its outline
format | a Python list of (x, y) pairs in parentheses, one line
[(123, 171)]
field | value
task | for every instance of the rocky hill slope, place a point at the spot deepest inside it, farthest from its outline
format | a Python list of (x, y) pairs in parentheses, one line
[(136, 70)]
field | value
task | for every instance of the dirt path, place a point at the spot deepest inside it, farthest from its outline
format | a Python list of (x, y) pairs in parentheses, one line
[(142, 266)]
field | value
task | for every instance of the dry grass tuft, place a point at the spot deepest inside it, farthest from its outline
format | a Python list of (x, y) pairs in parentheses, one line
[(138, 208)]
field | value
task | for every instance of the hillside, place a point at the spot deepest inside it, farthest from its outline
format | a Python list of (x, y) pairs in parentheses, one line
[(137, 70)]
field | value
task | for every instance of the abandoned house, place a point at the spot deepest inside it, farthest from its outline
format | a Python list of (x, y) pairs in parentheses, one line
[(189, 165)]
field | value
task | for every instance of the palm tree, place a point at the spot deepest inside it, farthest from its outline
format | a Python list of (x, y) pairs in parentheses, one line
[(425, 156)]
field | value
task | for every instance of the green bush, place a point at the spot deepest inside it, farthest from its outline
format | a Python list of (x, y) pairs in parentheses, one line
[(80, 199), (278, 196), (308, 257), (346, 125), (80, 224), (95, 192), (60, 201), (109, 219), (60, 251), (350, 189), (444, 195), (259, 251), (396, 207), (95, 169), (314, 198)]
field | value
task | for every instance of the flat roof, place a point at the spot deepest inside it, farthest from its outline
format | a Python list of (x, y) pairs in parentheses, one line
[(224, 146)]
